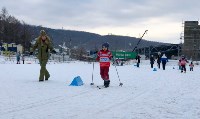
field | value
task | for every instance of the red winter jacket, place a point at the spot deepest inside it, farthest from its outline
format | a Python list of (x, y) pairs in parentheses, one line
[(104, 58), (191, 65), (183, 62)]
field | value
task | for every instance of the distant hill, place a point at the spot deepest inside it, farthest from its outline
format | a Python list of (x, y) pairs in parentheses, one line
[(14, 31), (91, 41)]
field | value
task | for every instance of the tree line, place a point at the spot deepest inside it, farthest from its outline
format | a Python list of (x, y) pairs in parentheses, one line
[(14, 31)]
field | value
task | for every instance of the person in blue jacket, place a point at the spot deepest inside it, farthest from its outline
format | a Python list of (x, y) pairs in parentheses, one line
[(164, 60)]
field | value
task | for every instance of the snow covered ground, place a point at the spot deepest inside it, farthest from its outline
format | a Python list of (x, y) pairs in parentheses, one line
[(146, 94)]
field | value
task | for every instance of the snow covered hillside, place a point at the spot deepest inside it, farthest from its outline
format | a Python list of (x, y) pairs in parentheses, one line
[(146, 94)]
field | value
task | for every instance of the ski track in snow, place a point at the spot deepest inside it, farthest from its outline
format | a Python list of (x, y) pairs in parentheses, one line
[(126, 99), (38, 103), (56, 99)]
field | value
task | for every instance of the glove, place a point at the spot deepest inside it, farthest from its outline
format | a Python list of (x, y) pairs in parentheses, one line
[(31, 53), (53, 51)]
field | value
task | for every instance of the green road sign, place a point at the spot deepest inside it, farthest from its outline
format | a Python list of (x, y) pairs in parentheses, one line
[(124, 55)]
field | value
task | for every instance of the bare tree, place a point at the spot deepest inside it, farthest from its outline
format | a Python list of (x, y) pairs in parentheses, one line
[(12, 30)]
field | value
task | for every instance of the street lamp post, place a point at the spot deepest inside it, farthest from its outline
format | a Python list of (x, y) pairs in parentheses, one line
[(139, 40)]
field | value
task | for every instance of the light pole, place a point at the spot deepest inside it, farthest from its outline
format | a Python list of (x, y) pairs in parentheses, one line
[(139, 40), (181, 38)]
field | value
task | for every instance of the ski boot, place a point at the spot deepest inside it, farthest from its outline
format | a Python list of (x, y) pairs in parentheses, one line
[(40, 80), (47, 78), (106, 83)]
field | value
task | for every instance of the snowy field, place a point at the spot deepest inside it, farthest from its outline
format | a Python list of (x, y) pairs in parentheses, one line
[(146, 94)]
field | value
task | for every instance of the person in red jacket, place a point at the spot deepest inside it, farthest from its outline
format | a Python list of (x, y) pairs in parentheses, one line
[(182, 62), (104, 56)]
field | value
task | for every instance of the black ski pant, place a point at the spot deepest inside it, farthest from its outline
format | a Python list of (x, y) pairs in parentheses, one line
[(163, 65), (183, 68), (138, 64), (151, 65), (159, 65)]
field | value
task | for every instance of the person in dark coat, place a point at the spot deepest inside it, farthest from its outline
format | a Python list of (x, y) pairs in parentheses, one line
[(23, 58), (138, 60), (159, 59), (152, 61), (164, 60)]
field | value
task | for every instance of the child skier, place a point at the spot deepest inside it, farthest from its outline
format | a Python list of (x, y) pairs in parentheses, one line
[(182, 63), (191, 66), (104, 56)]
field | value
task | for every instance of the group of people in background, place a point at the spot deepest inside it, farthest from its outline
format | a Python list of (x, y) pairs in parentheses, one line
[(182, 64), (162, 59)]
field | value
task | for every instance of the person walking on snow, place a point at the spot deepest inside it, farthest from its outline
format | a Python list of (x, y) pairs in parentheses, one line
[(159, 59), (182, 62), (191, 66), (152, 61), (104, 56), (18, 57), (164, 60), (138, 60), (43, 44), (23, 58)]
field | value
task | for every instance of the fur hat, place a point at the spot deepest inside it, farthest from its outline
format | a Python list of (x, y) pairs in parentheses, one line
[(43, 33)]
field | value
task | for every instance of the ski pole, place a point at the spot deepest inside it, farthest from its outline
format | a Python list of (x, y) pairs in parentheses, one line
[(120, 84), (92, 75)]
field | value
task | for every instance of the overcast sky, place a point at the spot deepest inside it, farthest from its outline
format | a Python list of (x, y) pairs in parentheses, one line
[(162, 18)]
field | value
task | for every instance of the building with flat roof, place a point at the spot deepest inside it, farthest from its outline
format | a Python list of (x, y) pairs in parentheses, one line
[(12, 47), (191, 46)]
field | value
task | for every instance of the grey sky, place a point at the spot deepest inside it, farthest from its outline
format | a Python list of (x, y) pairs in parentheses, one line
[(162, 18)]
